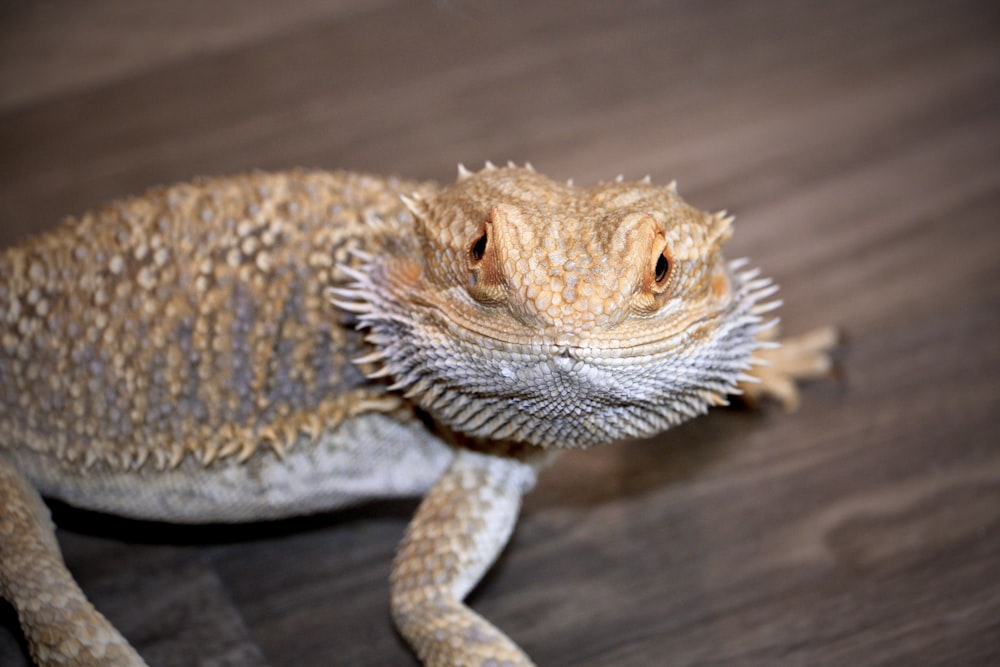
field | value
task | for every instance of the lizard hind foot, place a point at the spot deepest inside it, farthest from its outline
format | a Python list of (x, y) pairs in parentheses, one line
[(778, 368)]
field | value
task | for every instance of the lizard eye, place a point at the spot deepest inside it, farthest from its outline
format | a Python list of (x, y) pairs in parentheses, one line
[(485, 283), (478, 248), (661, 270)]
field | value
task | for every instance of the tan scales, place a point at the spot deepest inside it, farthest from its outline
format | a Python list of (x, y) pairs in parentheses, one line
[(176, 356)]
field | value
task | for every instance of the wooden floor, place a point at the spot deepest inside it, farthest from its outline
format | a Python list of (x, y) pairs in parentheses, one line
[(859, 144)]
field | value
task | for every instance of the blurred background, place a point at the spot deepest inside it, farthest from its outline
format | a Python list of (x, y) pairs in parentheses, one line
[(857, 142)]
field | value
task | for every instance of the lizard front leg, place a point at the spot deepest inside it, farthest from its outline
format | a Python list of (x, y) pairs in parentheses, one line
[(60, 624), (457, 533), (780, 366)]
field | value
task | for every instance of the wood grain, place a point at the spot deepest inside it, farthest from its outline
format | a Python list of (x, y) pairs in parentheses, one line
[(859, 145)]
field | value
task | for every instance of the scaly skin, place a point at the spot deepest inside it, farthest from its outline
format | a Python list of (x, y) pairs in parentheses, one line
[(174, 356)]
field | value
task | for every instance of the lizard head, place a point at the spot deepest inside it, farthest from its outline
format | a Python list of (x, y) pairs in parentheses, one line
[(519, 308)]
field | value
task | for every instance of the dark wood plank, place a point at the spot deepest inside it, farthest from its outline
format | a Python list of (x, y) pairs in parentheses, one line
[(857, 142), (82, 45)]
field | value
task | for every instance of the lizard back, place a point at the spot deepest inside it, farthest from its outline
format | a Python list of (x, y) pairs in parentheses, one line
[(189, 322)]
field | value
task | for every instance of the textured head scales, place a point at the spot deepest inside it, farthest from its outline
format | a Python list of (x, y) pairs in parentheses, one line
[(528, 310)]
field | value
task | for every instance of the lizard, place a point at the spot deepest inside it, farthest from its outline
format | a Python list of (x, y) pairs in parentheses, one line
[(263, 345)]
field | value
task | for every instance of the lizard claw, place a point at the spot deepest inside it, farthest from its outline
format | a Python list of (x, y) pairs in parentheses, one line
[(777, 370)]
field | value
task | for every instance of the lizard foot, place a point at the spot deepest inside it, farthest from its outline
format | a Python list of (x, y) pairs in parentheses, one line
[(778, 368)]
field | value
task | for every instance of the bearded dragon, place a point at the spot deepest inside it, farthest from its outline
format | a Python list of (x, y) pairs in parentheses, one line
[(176, 357)]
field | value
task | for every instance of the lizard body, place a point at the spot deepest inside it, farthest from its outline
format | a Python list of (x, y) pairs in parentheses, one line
[(175, 337), (175, 356)]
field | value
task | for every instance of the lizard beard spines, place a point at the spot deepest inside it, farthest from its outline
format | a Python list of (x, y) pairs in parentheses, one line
[(535, 393)]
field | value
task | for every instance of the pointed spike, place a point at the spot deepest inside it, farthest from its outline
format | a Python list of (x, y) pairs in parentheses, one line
[(209, 454), (723, 218), (672, 187), (529, 167), (334, 294), (360, 308), (379, 339), (569, 182), (463, 173), (619, 178), (352, 273), (646, 180), (758, 284), (489, 166), (766, 307), (751, 379), (763, 329), (766, 292), (738, 263), (370, 358), (511, 165), (230, 448), (398, 384), (246, 451), (139, 458), (412, 205), (348, 293), (722, 228), (719, 401), (176, 456), (381, 372)]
